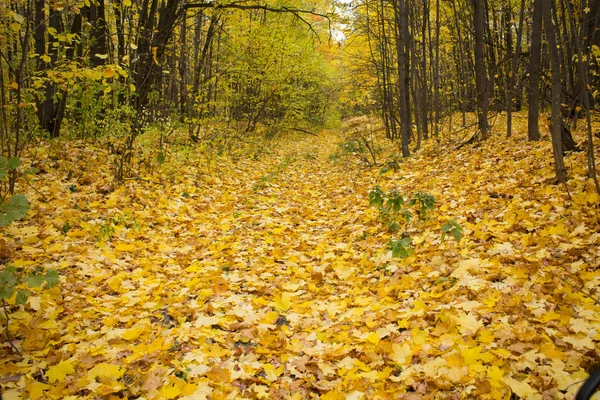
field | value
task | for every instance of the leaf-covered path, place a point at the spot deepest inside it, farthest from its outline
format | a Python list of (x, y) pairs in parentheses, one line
[(267, 277)]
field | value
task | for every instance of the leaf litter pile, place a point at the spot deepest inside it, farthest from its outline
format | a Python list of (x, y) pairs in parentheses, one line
[(269, 276)]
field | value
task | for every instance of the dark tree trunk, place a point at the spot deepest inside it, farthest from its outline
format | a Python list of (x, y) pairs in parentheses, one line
[(513, 72), (403, 87), (557, 122), (533, 130), (481, 81), (97, 18), (436, 76), (183, 70), (424, 86)]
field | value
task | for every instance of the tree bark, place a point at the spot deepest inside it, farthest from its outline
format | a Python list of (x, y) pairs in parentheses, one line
[(481, 81), (513, 72), (533, 130), (556, 118)]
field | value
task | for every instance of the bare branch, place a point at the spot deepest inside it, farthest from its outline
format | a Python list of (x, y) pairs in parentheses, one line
[(241, 5)]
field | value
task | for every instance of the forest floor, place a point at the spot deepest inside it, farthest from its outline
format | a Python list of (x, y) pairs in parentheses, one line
[(265, 274)]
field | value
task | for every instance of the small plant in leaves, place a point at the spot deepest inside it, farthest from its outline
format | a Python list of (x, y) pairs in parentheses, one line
[(425, 202), (16, 280), (16, 206), (452, 228), (401, 248), (393, 205)]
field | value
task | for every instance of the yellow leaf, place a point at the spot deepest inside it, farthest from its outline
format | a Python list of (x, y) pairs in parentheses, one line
[(104, 370), (373, 338), (35, 303), (109, 72), (206, 321), (125, 246), (127, 3), (115, 283), (270, 318), (133, 333), (495, 375), (170, 391), (272, 373), (283, 302), (15, 26), (58, 372), (36, 390), (522, 389), (581, 343), (13, 394), (402, 353), (157, 344)]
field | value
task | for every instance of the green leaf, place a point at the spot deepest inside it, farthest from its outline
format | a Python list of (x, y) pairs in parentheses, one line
[(52, 278), (395, 202), (457, 234), (22, 296), (7, 277), (401, 248), (6, 292), (15, 208), (407, 215), (34, 281), (376, 197), (3, 162), (14, 163), (453, 228)]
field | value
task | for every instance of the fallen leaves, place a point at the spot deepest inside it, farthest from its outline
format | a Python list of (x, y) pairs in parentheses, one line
[(286, 289)]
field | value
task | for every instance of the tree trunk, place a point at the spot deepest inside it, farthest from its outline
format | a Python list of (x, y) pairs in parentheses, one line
[(436, 78), (533, 130), (97, 18), (513, 72), (481, 81), (556, 118), (403, 87)]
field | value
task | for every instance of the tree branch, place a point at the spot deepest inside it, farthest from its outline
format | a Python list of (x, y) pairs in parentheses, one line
[(241, 5)]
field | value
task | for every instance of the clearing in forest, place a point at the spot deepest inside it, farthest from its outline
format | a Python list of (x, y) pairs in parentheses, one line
[(267, 275)]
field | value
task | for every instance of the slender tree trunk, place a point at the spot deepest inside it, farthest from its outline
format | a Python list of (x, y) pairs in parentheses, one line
[(559, 164), (463, 80), (533, 131), (403, 87), (436, 78), (424, 86), (99, 33), (481, 81), (513, 72), (183, 70)]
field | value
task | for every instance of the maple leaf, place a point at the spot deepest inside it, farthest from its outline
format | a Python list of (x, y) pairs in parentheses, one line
[(283, 302), (105, 370), (522, 389), (170, 391), (133, 333), (58, 372), (154, 380)]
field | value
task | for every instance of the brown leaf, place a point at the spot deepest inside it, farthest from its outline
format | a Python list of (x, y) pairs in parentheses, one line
[(154, 380)]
